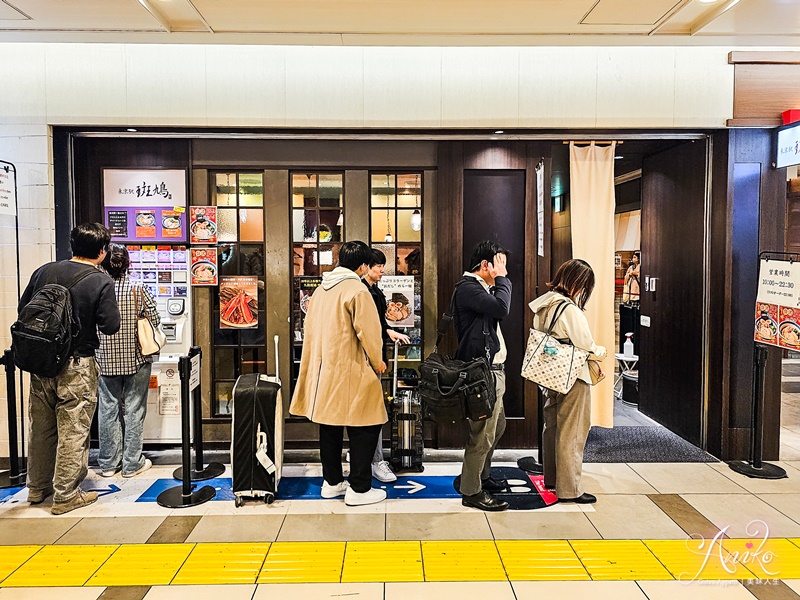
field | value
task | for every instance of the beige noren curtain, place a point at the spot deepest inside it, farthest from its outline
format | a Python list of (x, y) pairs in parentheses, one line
[(591, 183)]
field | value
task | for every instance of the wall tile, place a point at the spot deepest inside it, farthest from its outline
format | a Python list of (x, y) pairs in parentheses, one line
[(552, 96), (86, 83), (166, 84), (25, 148), (324, 86), (635, 87), (480, 87), (703, 87), (402, 87), (246, 85), (22, 70)]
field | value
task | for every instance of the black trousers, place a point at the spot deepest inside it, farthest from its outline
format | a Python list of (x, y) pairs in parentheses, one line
[(362, 447)]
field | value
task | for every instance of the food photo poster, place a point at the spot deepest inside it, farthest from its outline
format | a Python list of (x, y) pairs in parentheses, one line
[(399, 292), (203, 269), (238, 302), (203, 224)]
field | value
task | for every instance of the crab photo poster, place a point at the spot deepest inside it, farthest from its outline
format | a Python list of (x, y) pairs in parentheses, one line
[(238, 302)]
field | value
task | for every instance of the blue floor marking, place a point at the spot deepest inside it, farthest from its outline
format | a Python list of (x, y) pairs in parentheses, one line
[(223, 485), (6, 493), (308, 488)]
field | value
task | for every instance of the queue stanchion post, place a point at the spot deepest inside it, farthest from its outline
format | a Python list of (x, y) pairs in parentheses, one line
[(755, 467), (185, 495), (200, 472), (529, 463), (15, 476)]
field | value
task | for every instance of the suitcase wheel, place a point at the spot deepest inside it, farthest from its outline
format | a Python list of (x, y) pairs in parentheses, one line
[(420, 469), (238, 502), (269, 499)]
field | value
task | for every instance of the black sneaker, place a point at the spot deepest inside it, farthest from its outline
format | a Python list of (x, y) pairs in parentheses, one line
[(485, 501), (494, 485)]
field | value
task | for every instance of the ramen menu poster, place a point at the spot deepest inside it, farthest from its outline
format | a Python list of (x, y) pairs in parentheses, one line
[(203, 269), (777, 318), (399, 292), (203, 224)]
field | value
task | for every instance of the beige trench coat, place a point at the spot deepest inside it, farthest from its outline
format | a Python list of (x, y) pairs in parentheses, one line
[(338, 383)]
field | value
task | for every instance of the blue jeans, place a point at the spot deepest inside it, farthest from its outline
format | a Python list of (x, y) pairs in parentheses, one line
[(121, 409)]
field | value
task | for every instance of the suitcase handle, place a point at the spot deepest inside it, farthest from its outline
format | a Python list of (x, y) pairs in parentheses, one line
[(277, 369), (394, 376)]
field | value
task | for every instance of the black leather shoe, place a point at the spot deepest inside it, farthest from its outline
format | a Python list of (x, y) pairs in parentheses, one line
[(584, 498), (485, 501), (494, 485)]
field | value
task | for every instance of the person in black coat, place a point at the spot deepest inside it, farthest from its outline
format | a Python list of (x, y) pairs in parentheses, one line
[(482, 300), (381, 469)]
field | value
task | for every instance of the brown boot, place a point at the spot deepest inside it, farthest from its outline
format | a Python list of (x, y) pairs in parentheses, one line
[(38, 496), (79, 500)]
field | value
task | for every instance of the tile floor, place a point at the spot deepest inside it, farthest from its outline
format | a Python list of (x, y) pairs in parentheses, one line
[(646, 507)]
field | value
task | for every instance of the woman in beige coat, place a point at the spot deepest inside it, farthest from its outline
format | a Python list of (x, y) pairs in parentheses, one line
[(339, 382), (567, 417)]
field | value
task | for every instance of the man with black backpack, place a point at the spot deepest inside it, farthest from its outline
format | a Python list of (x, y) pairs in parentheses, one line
[(54, 339), (481, 301)]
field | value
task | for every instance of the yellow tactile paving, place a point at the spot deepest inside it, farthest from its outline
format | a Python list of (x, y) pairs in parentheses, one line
[(382, 562), (60, 566), (767, 559), (391, 561), (12, 557), (689, 560), (539, 560), (474, 560), (622, 560), (303, 562), (211, 564), (142, 564)]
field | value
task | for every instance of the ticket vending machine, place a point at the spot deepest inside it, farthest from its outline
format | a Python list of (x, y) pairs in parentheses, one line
[(162, 424), (146, 210)]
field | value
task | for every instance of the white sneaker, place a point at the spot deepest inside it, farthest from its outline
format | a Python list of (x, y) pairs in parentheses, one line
[(111, 472), (334, 491), (383, 472), (373, 496), (147, 464)]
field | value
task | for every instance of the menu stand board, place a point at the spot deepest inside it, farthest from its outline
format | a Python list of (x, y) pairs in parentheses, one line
[(145, 206), (777, 303), (203, 269)]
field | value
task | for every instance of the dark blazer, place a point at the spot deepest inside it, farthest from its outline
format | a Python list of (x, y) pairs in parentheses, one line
[(472, 308)]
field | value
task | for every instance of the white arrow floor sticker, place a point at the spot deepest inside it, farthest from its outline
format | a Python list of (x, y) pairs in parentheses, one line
[(413, 487)]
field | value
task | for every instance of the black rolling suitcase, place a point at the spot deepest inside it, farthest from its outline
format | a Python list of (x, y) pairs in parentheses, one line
[(407, 426), (257, 436)]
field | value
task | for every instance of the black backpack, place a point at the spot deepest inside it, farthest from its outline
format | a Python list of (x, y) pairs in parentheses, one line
[(43, 335)]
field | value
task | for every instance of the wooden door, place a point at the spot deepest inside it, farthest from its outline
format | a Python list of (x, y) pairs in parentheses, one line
[(671, 356)]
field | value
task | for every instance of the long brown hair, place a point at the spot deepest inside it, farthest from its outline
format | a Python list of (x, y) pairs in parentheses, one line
[(574, 279)]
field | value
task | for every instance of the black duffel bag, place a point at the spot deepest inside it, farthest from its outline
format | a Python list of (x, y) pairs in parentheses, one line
[(452, 389)]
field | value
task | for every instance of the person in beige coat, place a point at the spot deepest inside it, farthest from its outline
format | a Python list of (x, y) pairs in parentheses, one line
[(339, 382), (567, 417)]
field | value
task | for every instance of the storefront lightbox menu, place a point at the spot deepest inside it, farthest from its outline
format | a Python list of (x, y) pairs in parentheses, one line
[(143, 206)]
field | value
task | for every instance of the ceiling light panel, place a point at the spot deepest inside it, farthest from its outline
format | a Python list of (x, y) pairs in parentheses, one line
[(628, 12), (65, 15)]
